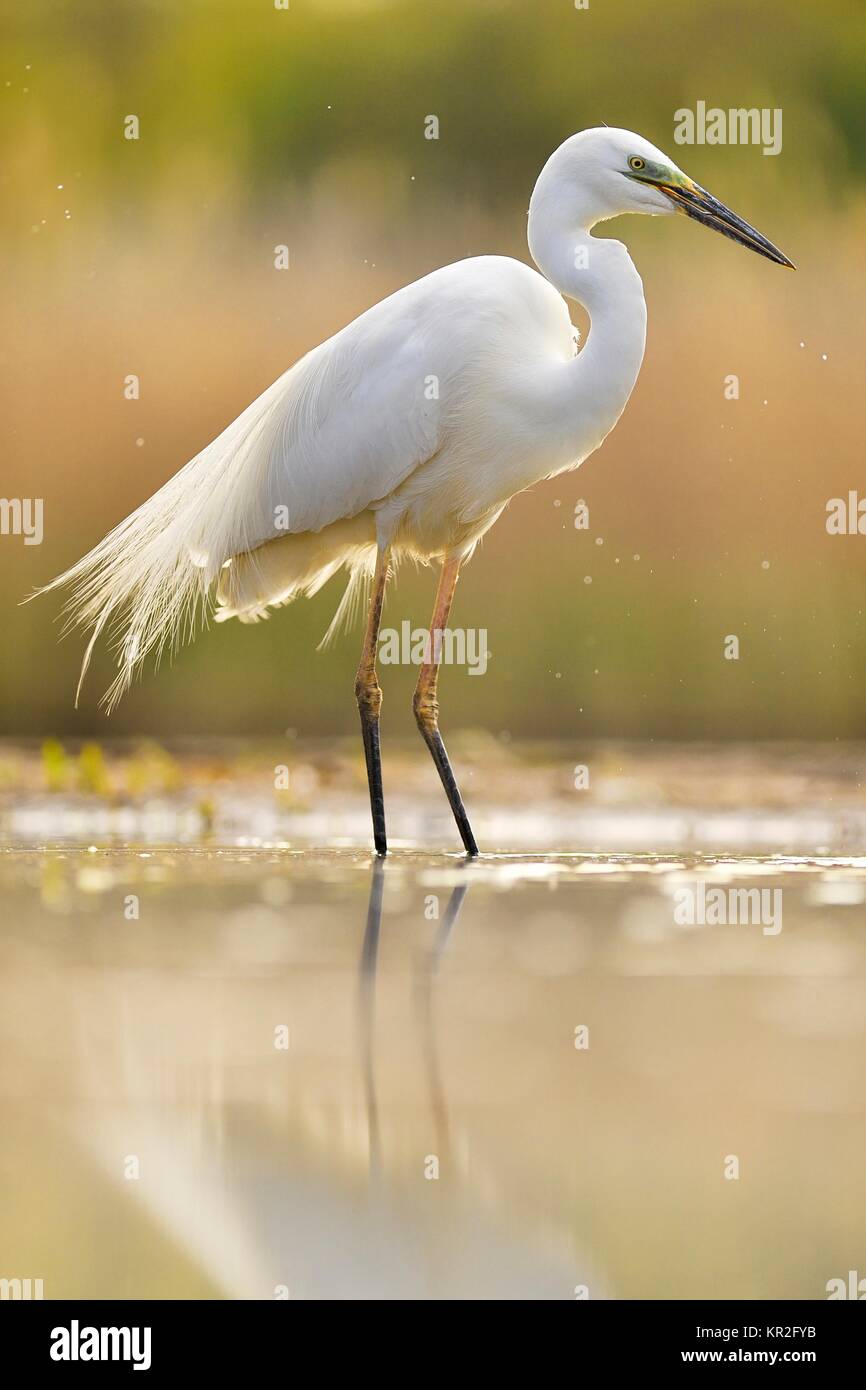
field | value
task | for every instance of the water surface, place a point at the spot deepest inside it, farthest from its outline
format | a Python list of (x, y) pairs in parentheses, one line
[(269, 1069)]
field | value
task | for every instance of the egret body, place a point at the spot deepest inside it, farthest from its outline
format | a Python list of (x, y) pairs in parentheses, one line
[(405, 435)]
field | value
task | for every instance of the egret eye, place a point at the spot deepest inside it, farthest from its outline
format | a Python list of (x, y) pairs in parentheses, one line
[(636, 163)]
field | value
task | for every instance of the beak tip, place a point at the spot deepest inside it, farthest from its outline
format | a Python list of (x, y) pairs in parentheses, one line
[(696, 202)]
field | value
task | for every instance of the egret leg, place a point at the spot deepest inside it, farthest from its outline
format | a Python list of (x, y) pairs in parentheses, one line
[(369, 696), (426, 703)]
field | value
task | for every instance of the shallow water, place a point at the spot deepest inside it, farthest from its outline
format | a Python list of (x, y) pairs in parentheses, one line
[(435, 1126)]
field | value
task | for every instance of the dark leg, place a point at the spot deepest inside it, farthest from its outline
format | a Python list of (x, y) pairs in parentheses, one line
[(369, 697), (426, 703)]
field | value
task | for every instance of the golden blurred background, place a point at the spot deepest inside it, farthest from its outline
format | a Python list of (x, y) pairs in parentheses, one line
[(305, 126)]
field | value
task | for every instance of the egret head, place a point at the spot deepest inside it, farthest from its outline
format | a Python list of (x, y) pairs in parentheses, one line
[(615, 171)]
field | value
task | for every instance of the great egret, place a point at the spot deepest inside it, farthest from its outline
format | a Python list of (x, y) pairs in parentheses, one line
[(405, 435)]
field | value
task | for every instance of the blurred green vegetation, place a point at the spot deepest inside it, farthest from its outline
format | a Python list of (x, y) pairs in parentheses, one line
[(306, 126), (268, 96), (146, 768)]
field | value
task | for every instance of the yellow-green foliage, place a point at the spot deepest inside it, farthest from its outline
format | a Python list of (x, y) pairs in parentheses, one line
[(92, 771), (152, 768), (55, 765)]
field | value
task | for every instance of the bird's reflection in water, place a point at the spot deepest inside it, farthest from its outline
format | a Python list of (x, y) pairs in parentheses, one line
[(366, 1008), (424, 996)]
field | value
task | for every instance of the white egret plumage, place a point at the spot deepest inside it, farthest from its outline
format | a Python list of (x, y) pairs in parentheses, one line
[(405, 434)]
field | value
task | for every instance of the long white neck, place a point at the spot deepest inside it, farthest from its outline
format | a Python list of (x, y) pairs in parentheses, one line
[(591, 392)]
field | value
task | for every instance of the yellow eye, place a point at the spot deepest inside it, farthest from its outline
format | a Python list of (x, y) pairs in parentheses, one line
[(637, 163)]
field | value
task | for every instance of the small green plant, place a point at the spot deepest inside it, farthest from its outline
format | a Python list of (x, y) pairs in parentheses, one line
[(55, 765), (92, 772)]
